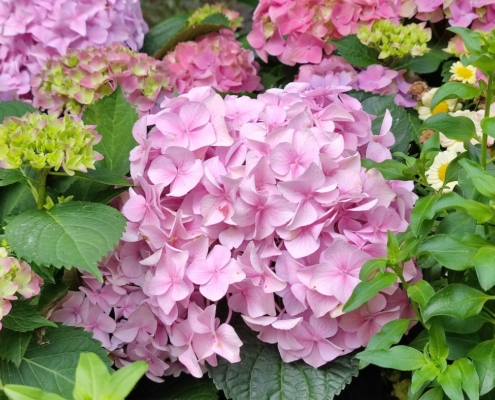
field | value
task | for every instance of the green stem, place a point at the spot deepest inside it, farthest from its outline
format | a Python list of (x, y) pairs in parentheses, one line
[(42, 188), (488, 103), (34, 192)]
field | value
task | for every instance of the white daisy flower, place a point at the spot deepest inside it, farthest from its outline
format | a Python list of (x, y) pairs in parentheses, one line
[(464, 74), (435, 176)]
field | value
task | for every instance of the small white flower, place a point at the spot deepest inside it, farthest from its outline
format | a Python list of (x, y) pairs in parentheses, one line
[(435, 176), (464, 74), (425, 110)]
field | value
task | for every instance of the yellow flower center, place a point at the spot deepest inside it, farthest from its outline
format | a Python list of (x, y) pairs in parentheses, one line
[(442, 171), (464, 72), (443, 107)]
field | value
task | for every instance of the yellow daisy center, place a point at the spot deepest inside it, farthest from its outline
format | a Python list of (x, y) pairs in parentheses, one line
[(443, 107), (464, 72), (442, 171)]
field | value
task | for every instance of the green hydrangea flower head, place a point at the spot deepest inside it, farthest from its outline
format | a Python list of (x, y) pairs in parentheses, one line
[(46, 141), (209, 9), (81, 77), (396, 40)]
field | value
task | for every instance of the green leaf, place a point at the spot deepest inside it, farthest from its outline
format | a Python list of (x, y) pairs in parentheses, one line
[(10, 176), (392, 247), (402, 358), (216, 19), (459, 345), (456, 300), (454, 90), (457, 224), (51, 294), (482, 180), (13, 345), (483, 356), (372, 266), (92, 376), (108, 195), (468, 325), (470, 381), (123, 380), (402, 127), (366, 290), (426, 64), (390, 169), (481, 212), (420, 292), (450, 380), (114, 118), (449, 251), (472, 39), (457, 128), (484, 263), (433, 394), (24, 317), (16, 199), (422, 211), (438, 346), (262, 375), (20, 392), (50, 362), (488, 126), (163, 32), (391, 333), (15, 109), (446, 74), (424, 375), (102, 175), (355, 52), (75, 234)]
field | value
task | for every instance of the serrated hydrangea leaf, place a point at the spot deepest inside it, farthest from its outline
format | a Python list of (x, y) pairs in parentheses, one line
[(24, 317), (50, 361), (104, 176), (216, 19), (114, 118), (261, 374), (13, 345), (14, 109), (163, 32), (75, 234), (356, 53)]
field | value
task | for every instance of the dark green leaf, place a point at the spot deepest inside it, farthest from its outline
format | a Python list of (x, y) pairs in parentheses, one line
[(390, 169), (459, 345), (102, 175), (51, 294), (10, 176), (484, 263), (456, 300), (468, 325), (114, 118), (24, 317), (450, 380), (488, 126), (15, 109), (483, 356), (482, 180), (216, 19), (457, 224), (163, 32), (422, 211), (366, 290), (446, 74), (402, 358), (425, 64), (355, 52), (481, 212), (449, 251), (13, 345), (456, 128), (16, 198), (390, 334), (454, 90), (108, 195), (262, 375), (75, 234), (50, 362)]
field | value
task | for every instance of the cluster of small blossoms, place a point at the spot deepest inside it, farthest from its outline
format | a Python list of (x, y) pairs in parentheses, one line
[(377, 79), (45, 141), (298, 31), (83, 76), (16, 277), (261, 204), (31, 32), (396, 40), (216, 59), (205, 11)]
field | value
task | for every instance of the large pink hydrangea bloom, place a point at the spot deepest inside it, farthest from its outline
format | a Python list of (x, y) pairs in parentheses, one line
[(260, 204), (216, 59), (33, 31)]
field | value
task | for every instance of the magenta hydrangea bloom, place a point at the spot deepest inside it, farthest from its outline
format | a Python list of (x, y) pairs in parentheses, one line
[(261, 204), (31, 32), (216, 59)]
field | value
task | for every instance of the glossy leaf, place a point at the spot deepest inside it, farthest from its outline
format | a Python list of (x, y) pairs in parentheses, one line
[(420, 292), (422, 211), (103, 175), (470, 381), (372, 266), (449, 251), (450, 380), (20, 392), (472, 39), (424, 375), (456, 300), (456, 128), (457, 224), (433, 394), (163, 32), (454, 90), (438, 345), (366, 290), (390, 169), (483, 356), (483, 181), (402, 358), (484, 263)]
